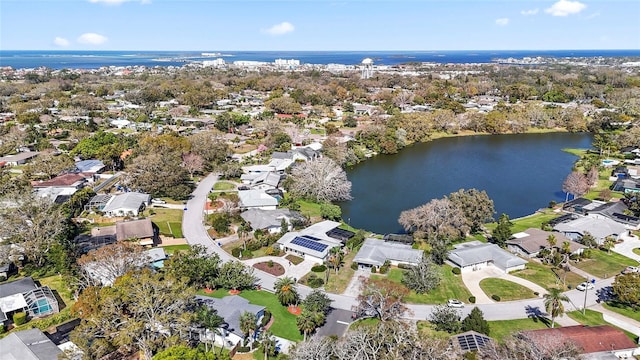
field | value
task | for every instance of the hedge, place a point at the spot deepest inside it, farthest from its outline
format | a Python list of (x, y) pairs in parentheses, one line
[(318, 268), (20, 318), (472, 299), (495, 297), (266, 317), (354, 266), (456, 271)]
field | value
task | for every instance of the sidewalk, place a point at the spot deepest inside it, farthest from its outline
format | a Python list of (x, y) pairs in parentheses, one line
[(618, 320)]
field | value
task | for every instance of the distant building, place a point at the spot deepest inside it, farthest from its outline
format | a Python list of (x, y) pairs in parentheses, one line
[(30, 344)]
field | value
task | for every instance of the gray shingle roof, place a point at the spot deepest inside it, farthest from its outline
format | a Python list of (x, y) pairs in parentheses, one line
[(262, 219), (30, 344), (599, 228), (20, 286), (127, 201), (478, 254), (376, 252), (230, 308)]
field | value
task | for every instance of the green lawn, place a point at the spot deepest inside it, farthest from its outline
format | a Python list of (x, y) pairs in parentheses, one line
[(295, 260), (338, 283), (543, 275), (173, 248), (224, 185), (623, 310), (507, 290), (604, 265), (176, 229), (309, 208), (501, 329), (167, 220), (284, 323), (636, 251), (532, 221), (594, 318), (450, 287)]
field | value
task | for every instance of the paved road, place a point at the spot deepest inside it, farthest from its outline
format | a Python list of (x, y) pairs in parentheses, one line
[(195, 233)]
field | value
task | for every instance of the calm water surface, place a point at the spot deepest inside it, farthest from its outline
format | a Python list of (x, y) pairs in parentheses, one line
[(521, 173)]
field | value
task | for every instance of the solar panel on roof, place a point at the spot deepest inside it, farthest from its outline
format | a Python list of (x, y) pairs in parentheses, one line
[(311, 237), (472, 342), (309, 244)]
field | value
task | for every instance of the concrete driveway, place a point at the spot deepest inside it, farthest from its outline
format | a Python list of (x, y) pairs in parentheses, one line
[(290, 269), (626, 247), (472, 281)]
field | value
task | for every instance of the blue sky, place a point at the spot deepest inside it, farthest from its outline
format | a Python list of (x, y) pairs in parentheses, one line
[(318, 25)]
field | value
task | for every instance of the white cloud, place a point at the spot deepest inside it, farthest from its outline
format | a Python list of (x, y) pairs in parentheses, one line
[(60, 41), (92, 39), (118, 2), (565, 8), (502, 21), (280, 29), (529, 12)]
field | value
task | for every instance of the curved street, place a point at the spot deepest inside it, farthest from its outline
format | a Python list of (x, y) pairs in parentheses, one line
[(195, 233)]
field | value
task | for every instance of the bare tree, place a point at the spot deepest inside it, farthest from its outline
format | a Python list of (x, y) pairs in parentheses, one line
[(317, 347), (592, 176), (522, 346), (422, 277), (192, 163), (321, 180), (381, 299), (438, 217), (104, 265), (576, 184)]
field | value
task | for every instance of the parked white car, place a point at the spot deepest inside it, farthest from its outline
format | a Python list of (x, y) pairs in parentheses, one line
[(158, 201), (454, 303), (631, 269), (585, 286)]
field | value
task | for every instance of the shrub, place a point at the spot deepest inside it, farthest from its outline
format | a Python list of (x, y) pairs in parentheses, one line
[(354, 266), (270, 263), (236, 252), (384, 269), (472, 299), (247, 254), (318, 268), (2, 329), (253, 245), (404, 266), (536, 293), (456, 271), (552, 203), (20, 318), (495, 297), (373, 269), (266, 317), (330, 211), (315, 282), (243, 349), (586, 254)]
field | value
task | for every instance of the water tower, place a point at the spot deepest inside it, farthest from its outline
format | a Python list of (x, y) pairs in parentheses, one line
[(367, 68)]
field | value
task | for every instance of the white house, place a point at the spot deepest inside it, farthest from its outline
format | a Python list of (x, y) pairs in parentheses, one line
[(599, 228), (474, 256), (256, 199), (312, 243), (126, 204), (270, 220), (376, 252)]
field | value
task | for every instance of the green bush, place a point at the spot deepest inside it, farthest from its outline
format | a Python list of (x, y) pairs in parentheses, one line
[(236, 252), (384, 269), (243, 349), (270, 263), (456, 271), (404, 266), (315, 282), (318, 268), (354, 266), (247, 254), (2, 330), (266, 317), (472, 299), (373, 270), (20, 318), (586, 254), (495, 297), (253, 245), (330, 211)]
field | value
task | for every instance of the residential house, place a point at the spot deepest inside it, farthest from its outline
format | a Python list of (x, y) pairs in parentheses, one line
[(627, 185), (89, 166), (126, 204), (70, 181), (529, 242), (141, 230), (475, 255), (470, 341), (30, 344), (256, 199), (594, 342), (19, 158), (616, 211), (374, 253), (25, 295), (230, 308), (312, 243), (599, 228), (271, 220)]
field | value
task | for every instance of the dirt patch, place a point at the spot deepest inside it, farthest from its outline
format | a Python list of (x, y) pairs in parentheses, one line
[(295, 310), (275, 269)]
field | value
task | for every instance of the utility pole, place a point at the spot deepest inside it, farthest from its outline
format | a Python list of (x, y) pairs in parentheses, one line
[(586, 289)]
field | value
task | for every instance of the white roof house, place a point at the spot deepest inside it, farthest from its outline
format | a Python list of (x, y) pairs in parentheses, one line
[(600, 228), (313, 242), (89, 166), (130, 203), (256, 199), (270, 220), (376, 252), (475, 256)]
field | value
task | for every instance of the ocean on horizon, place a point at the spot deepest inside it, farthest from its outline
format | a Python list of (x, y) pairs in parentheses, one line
[(87, 59)]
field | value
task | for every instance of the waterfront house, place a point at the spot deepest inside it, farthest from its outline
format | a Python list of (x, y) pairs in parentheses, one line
[(600, 228), (475, 255), (531, 241), (374, 253), (312, 243), (256, 199)]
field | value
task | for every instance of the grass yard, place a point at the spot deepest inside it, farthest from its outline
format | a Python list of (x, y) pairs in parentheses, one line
[(532, 221), (338, 283), (543, 275), (169, 221), (295, 260), (170, 249), (451, 287), (501, 329), (224, 185), (636, 251), (309, 208), (594, 318), (507, 290), (623, 310), (284, 324), (604, 265)]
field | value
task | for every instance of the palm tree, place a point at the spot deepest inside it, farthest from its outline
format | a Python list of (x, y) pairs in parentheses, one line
[(211, 321), (286, 291), (244, 230), (553, 304), (268, 343), (336, 258), (248, 323), (609, 243), (307, 322)]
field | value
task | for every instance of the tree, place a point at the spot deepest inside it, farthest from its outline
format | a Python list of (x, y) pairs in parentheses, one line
[(48, 165), (317, 301), (335, 258), (199, 268), (592, 176), (475, 321), (182, 352), (445, 319), (104, 265), (248, 323), (268, 343), (521, 346), (588, 240), (235, 275), (381, 299), (502, 231), (210, 320), (476, 205), (142, 311), (321, 180), (609, 243), (553, 303), (317, 347), (576, 184), (192, 163), (160, 175), (423, 277), (330, 212), (438, 217), (308, 321), (286, 291), (211, 146), (627, 289)]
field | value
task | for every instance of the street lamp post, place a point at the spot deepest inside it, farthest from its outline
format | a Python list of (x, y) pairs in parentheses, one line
[(586, 289)]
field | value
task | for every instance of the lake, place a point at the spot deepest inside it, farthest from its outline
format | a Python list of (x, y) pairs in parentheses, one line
[(520, 173)]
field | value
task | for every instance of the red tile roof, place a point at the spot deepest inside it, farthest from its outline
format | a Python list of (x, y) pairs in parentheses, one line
[(591, 339), (61, 180)]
